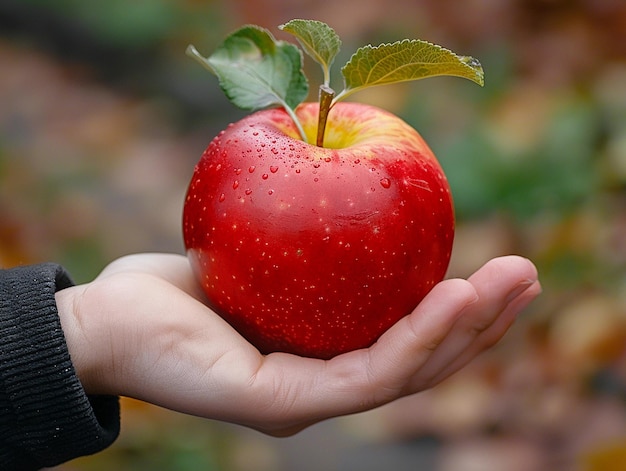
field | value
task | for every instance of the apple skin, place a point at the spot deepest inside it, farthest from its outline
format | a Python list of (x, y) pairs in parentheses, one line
[(317, 251)]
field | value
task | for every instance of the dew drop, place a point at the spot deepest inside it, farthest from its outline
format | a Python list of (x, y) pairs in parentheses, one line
[(316, 165), (316, 179), (265, 176), (297, 170), (251, 169), (326, 159), (471, 61), (273, 169), (385, 182), (357, 161), (235, 184), (248, 191), (237, 171), (222, 198), (270, 192)]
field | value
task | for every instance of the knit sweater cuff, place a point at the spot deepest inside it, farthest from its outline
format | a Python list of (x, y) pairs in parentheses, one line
[(46, 417)]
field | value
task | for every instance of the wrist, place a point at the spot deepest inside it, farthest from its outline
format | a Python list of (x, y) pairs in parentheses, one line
[(82, 351)]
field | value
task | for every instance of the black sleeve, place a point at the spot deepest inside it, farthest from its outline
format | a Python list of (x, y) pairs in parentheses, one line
[(46, 418)]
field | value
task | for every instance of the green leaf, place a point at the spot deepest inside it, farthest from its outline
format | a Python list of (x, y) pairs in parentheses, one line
[(256, 71), (318, 40), (403, 61)]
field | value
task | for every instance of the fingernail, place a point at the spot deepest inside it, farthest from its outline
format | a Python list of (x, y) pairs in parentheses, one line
[(519, 289)]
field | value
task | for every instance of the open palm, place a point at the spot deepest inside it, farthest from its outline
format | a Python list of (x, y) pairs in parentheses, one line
[(140, 329)]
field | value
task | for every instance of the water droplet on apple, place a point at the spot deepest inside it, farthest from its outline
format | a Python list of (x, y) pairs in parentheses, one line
[(235, 184), (385, 182), (248, 191), (222, 198), (273, 169), (297, 170), (255, 133), (326, 159), (357, 161), (265, 176), (316, 165), (237, 171), (316, 179), (251, 169), (270, 192), (274, 151)]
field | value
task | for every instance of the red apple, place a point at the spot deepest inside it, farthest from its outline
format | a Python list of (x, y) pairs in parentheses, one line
[(314, 250)]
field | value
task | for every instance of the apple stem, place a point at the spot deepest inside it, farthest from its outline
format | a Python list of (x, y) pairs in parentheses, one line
[(326, 98)]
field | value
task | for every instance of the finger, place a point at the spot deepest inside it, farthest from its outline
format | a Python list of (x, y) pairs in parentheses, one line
[(493, 334), (173, 268), (504, 286), (410, 344)]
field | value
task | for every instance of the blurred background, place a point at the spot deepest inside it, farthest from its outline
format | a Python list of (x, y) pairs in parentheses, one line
[(102, 118)]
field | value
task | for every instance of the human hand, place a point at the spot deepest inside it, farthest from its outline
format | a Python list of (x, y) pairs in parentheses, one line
[(140, 329)]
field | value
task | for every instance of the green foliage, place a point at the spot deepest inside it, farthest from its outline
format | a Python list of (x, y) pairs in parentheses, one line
[(555, 176), (256, 71), (132, 24)]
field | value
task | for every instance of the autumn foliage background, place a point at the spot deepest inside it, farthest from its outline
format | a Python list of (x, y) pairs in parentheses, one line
[(102, 118)]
